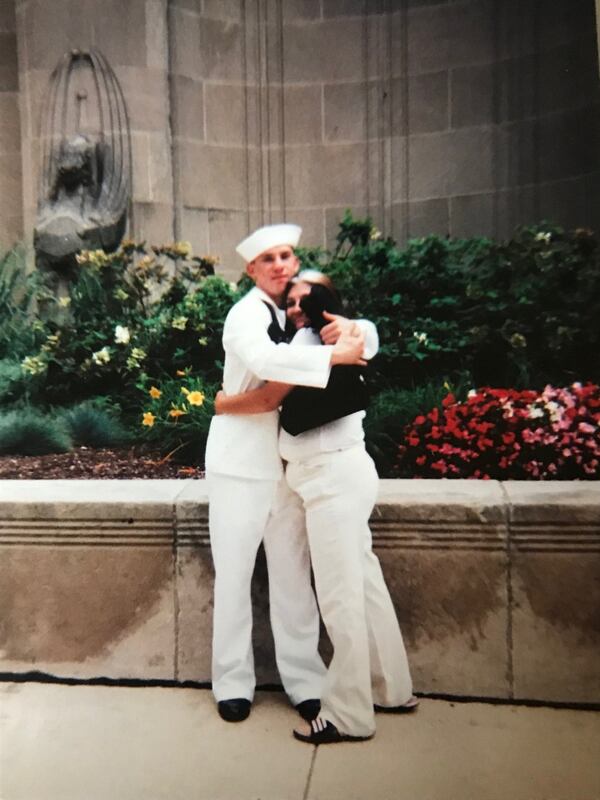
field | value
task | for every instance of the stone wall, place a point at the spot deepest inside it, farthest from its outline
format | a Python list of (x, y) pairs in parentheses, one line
[(465, 117), (133, 38), (11, 191), (495, 585)]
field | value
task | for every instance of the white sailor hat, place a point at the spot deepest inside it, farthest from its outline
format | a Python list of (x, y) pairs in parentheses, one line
[(266, 238)]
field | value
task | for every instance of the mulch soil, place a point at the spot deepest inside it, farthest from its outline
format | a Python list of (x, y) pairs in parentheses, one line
[(83, 462)]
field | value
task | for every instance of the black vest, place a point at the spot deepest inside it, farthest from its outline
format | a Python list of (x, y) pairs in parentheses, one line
[(305, 407)]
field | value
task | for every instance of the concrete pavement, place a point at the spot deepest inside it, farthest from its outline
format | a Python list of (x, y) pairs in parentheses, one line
[(114, 743)]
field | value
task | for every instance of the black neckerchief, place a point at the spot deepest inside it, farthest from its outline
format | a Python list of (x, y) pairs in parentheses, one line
[(276, 333)]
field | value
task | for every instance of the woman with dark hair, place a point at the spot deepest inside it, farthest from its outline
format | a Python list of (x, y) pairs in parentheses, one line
[(322, 441)]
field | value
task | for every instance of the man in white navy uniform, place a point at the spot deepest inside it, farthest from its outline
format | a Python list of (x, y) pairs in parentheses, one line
[(249, 500)]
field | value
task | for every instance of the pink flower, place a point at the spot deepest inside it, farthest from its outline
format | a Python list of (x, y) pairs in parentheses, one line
[(585, 427)]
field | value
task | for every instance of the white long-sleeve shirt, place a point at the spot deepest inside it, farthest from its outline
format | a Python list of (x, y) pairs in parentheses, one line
[(339, 434), (246, 445)]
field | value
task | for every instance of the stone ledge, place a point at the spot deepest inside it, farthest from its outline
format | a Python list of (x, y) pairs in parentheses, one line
[(496, 585)]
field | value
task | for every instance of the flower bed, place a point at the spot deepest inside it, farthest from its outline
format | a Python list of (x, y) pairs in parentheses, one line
[(504, 434)]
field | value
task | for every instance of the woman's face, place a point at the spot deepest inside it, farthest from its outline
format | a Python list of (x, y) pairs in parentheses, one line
[(293, 310)]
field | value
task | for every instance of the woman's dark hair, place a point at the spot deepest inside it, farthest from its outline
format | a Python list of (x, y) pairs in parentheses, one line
[(322, 297)]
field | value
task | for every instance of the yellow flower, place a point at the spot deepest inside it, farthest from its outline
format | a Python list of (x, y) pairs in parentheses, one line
[(120, 294), (148, 419), (34, 365), (179, 323), (182, 249), (145, 262), (101, 356), (185, 391), (177, 412), (195, 398), (154, 392)]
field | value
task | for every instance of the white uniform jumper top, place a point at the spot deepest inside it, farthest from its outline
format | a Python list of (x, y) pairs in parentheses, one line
[(250, 502)]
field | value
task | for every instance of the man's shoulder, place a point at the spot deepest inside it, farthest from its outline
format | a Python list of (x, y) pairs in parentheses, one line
[(249, 306)]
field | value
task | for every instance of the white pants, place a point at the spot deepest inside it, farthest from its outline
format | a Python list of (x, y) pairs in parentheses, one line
[(242, 513), (369, 663)]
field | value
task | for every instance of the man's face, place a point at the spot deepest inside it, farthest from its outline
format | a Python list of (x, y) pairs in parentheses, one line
[(273, 269)]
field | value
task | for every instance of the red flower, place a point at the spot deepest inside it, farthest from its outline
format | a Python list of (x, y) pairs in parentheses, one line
[(493, 435)]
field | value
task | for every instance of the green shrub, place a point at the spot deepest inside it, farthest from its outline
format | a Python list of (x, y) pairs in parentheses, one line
[(13, 382), (464, 312), (94, 424), (521, 313), (29, 432), (129, 314), (19, 333)]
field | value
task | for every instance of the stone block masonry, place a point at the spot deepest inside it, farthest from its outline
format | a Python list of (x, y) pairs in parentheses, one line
[(495, 584), (465, 118)]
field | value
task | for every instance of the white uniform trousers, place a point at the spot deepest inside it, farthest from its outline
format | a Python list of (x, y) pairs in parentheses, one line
[(369, 663), (242, 513)]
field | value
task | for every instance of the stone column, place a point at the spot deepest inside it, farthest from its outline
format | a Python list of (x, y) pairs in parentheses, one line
[(11, 219), (133, 38)]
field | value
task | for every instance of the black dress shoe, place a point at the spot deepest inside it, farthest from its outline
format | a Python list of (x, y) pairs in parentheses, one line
[(234, 710), (309, 709)]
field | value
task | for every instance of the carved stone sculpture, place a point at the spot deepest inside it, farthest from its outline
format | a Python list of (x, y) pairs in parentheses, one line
[(85, 184)]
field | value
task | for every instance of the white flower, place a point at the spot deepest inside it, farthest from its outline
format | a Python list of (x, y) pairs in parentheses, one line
[(554, 410), (472, 393), (420, 337), (101, 356), (543, 237), (64, 302), (535, 413), (122, 335)]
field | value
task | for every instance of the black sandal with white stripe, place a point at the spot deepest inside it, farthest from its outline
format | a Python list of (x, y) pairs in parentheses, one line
[(405, 708), (324, 732)]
